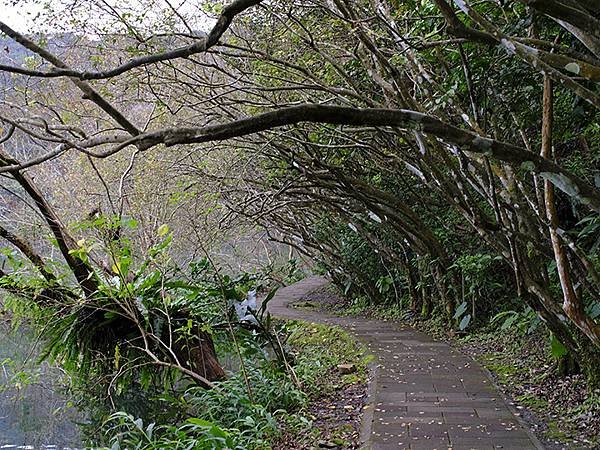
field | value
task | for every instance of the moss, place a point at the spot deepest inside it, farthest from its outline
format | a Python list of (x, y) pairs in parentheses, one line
[(351, 378), (495, 363), (339, 434), (305, 305), (532, 401), (504, 371), (320, 349), (368, 359), (554, 432), (339, 345)]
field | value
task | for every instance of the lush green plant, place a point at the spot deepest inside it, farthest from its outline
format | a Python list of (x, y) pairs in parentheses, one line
[(480, 286), (526, 321), (131, 345), (127, 432), (248, 409)]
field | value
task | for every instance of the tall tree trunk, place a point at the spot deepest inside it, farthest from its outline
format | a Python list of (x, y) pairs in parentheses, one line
[(572, 305), (415, 299)]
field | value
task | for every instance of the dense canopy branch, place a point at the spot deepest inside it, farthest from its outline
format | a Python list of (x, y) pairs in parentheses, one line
[(375, 117), (395, 144), (574, 15), (541, 60), (88, 91)]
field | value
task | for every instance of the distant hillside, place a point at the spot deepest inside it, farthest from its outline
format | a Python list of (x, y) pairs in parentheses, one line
[(10, 51), (13, 52)]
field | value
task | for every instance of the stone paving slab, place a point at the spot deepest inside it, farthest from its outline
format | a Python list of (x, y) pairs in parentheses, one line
[(424, 395)]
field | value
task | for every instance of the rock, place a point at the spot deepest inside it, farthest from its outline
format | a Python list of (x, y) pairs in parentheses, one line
[(327, 444), (345, 369)]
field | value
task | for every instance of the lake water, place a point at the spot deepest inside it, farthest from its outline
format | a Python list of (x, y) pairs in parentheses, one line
[(34, 413)]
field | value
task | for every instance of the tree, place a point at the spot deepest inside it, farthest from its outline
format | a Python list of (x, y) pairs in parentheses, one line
[(437, 101)]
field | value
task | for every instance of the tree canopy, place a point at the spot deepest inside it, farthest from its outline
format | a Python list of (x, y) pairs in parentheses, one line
[(405, 147)]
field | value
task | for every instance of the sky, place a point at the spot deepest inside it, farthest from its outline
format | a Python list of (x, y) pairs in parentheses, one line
[(22, 16), (18, 17)]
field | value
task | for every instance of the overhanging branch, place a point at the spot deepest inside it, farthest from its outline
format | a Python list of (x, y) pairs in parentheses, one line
[(375, 117)]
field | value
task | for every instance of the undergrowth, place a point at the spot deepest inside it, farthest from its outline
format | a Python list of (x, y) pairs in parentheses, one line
[(250, 408)]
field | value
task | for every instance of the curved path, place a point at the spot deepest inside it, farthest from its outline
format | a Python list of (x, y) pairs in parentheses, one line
[(423, 395)]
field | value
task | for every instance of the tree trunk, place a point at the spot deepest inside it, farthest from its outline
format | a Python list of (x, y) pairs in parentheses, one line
[(198, 355), (415, 300), (572, 305), (447, 300), (84, 274)]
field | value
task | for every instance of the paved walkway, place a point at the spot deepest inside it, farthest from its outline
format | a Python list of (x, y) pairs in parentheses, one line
[(424, 394)]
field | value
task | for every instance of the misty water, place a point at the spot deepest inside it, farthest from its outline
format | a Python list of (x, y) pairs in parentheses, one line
[(34, 411)]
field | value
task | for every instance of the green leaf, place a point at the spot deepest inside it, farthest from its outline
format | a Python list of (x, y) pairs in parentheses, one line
[(528, 166), (139, 424), (199, 422), (501, 315), (149, 430), (573, 68), (460, 310), (163, 230), (509, 322), (557, 349), (464, 323)]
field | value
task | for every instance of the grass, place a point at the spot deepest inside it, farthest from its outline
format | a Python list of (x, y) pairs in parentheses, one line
[(497, 364), (319, 349), (532, 401), (555, 432)]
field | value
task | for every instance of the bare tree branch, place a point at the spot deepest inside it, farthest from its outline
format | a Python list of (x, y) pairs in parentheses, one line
[(203, 44)]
